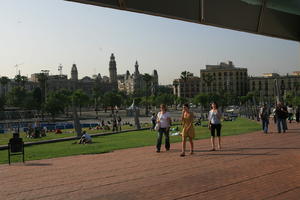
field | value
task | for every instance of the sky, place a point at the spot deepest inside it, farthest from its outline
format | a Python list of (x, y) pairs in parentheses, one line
[(40, 35)]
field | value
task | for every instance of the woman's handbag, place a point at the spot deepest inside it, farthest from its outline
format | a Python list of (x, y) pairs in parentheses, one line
[(157, 126)]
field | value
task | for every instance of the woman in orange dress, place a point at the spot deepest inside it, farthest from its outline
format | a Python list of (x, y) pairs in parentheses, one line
[(188, 130)]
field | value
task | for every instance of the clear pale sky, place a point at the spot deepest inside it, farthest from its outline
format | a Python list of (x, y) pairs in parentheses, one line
[(41, 34)]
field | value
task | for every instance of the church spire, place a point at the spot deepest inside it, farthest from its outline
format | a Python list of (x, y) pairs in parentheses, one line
[(74, 73), (136, 72), (112, 69)]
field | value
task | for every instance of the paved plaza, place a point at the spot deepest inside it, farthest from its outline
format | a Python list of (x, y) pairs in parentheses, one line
[(250, 166)]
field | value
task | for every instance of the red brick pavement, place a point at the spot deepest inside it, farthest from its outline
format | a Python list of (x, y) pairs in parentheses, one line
[(251, 166)]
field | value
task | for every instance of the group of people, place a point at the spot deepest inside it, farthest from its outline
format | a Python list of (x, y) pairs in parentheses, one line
[(281, 114), (35, 131), (115, 123), (162, 123)]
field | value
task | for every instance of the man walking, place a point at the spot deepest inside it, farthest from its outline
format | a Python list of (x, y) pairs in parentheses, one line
[(281, 115), (264, 115)]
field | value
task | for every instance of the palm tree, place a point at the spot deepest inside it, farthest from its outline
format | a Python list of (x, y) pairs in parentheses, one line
[(185, 75), (147, 79), (175, 83), (4, 81), (18, 79), (208, 79), (42, 79), (24, 80)]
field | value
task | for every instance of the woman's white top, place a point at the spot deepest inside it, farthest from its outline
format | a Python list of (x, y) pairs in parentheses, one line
[(163, 119), (213, 117)]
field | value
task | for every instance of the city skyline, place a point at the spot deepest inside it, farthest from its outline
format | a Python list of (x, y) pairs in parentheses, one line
[(37, 38)]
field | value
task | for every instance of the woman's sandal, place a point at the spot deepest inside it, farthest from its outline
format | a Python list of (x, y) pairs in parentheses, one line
[(182, 154)]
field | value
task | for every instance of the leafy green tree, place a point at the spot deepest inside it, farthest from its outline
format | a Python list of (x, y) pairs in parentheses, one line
[(18, 80), (112, 99), (42, 79), (37, 98), (54, 104), (126, 99), (228, 99), (24, 80), (201, 99), (16, 96), (181, 100), (138, 101), (21, 80), (253, 97), (147, 79), (2, 103), (296, 88), (161, 89), (139, 93), (80, 99), (4, 81), (152, 101), (167, 99), (243, 100), (97, 96), (296, 101), (289, 98)]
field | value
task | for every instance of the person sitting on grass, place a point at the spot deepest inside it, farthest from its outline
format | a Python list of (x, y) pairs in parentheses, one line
[(85, 138), (58, 131)]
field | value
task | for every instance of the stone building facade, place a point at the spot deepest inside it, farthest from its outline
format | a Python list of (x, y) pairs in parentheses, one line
[(188, 88), (129, 83), (87, 84), (132, 83), (224, 77), (221, 78), (271, 84)]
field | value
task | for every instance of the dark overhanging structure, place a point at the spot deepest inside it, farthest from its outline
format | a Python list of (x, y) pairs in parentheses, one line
[(275, 18)]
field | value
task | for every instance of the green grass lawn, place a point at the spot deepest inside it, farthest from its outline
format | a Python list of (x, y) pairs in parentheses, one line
[(122, 141), (4, 138)]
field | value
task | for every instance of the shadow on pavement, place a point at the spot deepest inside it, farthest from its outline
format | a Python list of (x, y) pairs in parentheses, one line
[(239, 154), (283, 148), (37, 164)]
